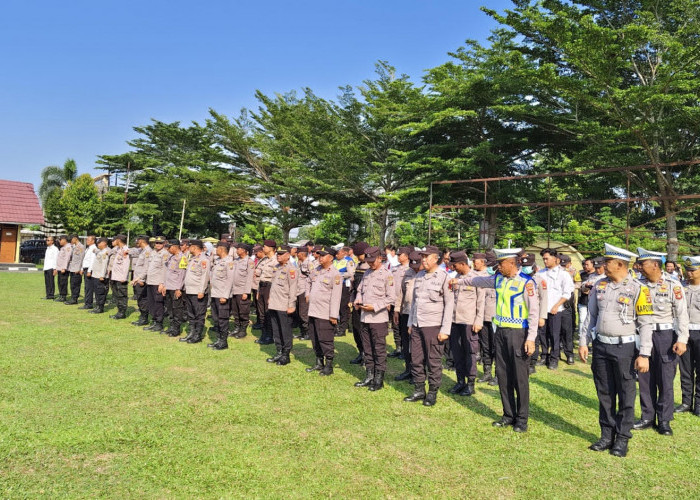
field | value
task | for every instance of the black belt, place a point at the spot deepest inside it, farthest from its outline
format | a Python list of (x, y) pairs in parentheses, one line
[(264, 284)]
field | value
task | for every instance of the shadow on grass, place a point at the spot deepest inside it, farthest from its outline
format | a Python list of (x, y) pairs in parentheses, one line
[(580, 373), (566, 393), (473, 404)]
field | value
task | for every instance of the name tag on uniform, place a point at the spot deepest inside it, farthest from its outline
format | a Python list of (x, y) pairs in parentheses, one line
[(624, 300), (514, 288)]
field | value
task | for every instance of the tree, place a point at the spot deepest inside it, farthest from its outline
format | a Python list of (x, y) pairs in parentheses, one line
[(53, 177), (80, 205)]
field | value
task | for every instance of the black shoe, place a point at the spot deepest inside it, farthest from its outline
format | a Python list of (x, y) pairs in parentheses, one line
[(553, 365), (520, 427), (403, 376), (118, 316), (619, 449), (241, 334), (71, 302), (681, 408), (493, 381), (85, 306), (143, 320), (430, 398), (664, 428), (195, 339), (219, 345), (541, 362), (604, 443), (395, 354), (97, 310), (356, 360), (468, 389), (369, 378), (487, 374), (236, 330), (570, 360), (531, 369), (257, 326), (284, 360), (173, 332), (49, 298), (417, 395), (696, 412), (155, 327), (504, 422), (328, 369), (458, 387), (275, 358), (378, 382), (60, 299), (189, 337), (317, 366), (642, 424)]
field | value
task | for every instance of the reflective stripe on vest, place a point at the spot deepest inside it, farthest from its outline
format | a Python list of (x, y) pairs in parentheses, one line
[(340, 265), (508, 313)]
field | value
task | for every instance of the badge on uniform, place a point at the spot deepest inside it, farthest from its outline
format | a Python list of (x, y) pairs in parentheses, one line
[(292, 274), (623, 300), (204, 264), (230, 265), (644, 305), (544, 285), (530, 288), (663, 288), (678, 292), (391, 280), (601, 286), (183, 263), (337, 280)]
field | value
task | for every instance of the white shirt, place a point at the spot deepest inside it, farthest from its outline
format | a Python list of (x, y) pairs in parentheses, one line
[(559, 285), (50, 257), (392, 261), (89, 257)]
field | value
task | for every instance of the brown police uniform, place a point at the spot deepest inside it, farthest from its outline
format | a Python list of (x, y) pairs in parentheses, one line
[(283, 296)]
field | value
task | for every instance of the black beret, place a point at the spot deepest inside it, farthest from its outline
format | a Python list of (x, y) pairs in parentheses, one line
[(270, 243), (196, 243)]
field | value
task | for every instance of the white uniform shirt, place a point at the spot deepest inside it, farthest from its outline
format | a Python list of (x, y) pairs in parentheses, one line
[(559, 285), (89, 257), (50, 257)]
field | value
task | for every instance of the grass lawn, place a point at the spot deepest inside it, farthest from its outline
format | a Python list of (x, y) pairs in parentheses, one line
[(92, 407)]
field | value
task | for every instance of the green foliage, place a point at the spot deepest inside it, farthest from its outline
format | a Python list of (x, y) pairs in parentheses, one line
[(56, 178), (80, 205)]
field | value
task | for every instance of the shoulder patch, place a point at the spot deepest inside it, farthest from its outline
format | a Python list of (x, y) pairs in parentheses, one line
[(204, 264), (644, 306), (293, 274), (530, 288), (337, 280), (391, 280), (678, 292)]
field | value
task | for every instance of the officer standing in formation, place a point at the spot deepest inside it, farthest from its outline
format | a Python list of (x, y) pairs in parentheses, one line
[(140, 269), (264, 270), (670, 336), (304, 264), (62, 262), (283, 300), (75, 269), (175, 268), (88, 258), (358, 251), (324, 291), (120, 263), (50, 268), (485, 264), (196, 284), (560, 287), (402, 309), (221, 280), (155, 283), (243, 275), (346, 267), (374, 296), (690, 361), (619, 306), (429, 325), (99, 276), (527, 262)]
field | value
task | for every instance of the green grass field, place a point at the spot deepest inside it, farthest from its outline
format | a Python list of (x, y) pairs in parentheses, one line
[(92, 407)]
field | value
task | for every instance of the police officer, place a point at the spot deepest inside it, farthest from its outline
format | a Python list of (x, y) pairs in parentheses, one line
[(464, 339), (282, 304), (690, 361), (264, 270), (429, 325), (374, 296), (305, 267), (243, 275), (401, 257), (258, 257), (196, 284), (75, 269), (323, 293), (516, 319), (358, 250), (485, 264), (140, 269), (560, 286), (120, 274), (175, 269), (346, 267), (568, 318), (155, 282), (62, 262), (98, 275), (618, 306), (221, 280), (527, 263), (402, 309), (669, 308), (88, 258)]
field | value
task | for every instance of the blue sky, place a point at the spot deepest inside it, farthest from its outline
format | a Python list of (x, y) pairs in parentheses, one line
[(76, 76)]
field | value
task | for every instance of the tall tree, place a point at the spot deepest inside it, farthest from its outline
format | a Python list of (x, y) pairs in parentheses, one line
[(80, 205), (54, 177)]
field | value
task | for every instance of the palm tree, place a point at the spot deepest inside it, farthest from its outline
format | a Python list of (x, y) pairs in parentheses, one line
[(54, 177)]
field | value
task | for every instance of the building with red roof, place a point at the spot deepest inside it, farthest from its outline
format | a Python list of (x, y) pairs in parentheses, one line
[(19, 205)]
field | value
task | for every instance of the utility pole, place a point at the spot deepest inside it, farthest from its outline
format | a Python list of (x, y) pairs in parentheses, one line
[(182, 219)]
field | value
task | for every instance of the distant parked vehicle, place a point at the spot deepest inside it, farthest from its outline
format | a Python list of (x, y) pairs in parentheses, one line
[(32, 251)]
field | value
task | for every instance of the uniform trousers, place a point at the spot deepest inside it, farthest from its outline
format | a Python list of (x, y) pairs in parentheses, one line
[(220, 314), (553, 347), (582, 313), (49, 283), (240, 309), (176, 308), (344, 312), (322, 334), (465, 344), (156, 303), (613, 375), (690, 372), (196, 311), (426, 350), (512, 372), (567, 331), (281, 324), (395, 330), (656, 385), (539, 340), (263, 317), (357, 329), (100, 289), (303, 313), (76, 280), (121, 295), (141, 293), (405, 340), (487, 344), (374, 343), (89, 290)]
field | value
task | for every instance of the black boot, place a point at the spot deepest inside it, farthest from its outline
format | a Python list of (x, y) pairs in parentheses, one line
[(143, 320), (98, 310), (493, 381), (458, 387), (236, 330), (328, 369), (189, 336), (405, 375), (220, 344), (369, 378), (378, 382), (157, 326), (61, 298), (487, 374), (418, 394), (430, 398), (317, 366), (173, 330), (119, 315), (198, 335), (284, 360), (356, 360), (242, 330), (619, 449), (469, 388), (275, 358), (604, 443)]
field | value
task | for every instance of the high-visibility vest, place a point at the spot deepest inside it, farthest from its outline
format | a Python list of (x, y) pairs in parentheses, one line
[(511, 305)]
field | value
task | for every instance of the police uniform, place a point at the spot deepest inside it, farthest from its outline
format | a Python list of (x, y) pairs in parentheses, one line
[(464, 341), (88, 259), (283, 297), (376, 290), (430, 315), (100, 280), (196, 284), (62, 262), (243, 275), (528, 261), (75, 266), (404, 299), (120, 263), (487, 344), (264, 269), (302, 312), (690, 361), (175, 269), (670, 325), (346, 268), (155, 280), (323, 292), (140, 267), (398, 273), (221, 281), (616, 311), (516, 318)]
